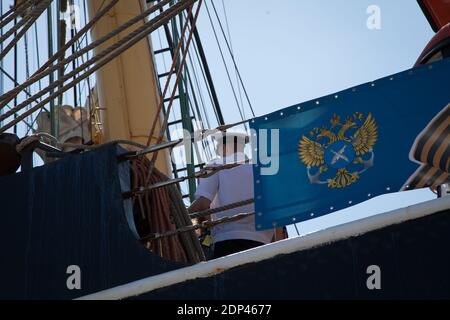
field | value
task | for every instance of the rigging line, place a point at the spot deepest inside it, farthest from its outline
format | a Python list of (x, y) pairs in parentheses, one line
[(203, 225), (13, 8), (202, 125), (165, 66), (194, 70), (37, 52), (85, 34), (169, 77), (26, 92), (161, 46), (105, 58), (203, 72), (1, 62), (15, 79), (231, 46), (205, 65), (75, 64), (28, 23), (31, 127), (296, 229), (224, 63), (181, 64), (27, 66), (26, 123), (202, 102), (41, 73), (16, 83), (209, 91), (53, 126), (188, 79), (17, 25), (100, 41), (18, 10), (85, 38), (88, 80), (194, 111), (234, 60)]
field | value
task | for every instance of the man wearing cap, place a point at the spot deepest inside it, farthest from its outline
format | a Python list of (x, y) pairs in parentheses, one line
[(226, 187)]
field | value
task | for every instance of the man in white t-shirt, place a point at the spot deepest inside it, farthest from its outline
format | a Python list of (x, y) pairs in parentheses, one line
[(227, 187)]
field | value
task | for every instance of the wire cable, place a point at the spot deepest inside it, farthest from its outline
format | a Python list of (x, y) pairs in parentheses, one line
[(234, 60)]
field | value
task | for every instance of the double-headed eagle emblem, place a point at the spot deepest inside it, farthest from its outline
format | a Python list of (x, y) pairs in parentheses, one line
[(338, 155)]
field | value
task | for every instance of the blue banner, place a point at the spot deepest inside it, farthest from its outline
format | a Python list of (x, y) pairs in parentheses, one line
[(344, 148)]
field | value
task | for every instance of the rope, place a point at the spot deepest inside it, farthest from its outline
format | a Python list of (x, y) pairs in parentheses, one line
[(225, 64), (40, 73), (203, 225), (18, 25), (233, 59), (209, 212), (164, 210), (204, 173), (34, 15), (86, 147), (101, 55), (231, 43), (119, 49), (26, 142), (166, 116), (18, 10), (15, 82), (202, 68), (166, 86)]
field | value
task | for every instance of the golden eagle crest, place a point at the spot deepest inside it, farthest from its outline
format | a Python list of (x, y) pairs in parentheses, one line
[(338, 155)]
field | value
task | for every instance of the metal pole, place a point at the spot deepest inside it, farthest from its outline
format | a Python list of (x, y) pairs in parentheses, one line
[(1, 63), (51, 75), (208, 74), (185, 117), (15, 76)]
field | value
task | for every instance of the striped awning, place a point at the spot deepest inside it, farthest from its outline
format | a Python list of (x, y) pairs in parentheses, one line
[(432, 150)]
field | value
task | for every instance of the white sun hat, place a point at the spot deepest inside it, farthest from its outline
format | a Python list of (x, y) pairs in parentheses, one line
[(242, 137)]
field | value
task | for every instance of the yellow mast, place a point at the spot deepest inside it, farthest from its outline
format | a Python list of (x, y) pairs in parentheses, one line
[(128, 93)]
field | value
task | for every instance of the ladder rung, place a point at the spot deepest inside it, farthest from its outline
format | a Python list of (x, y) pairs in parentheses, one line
[(162, 50), (178, 121), (200, 165), (168, 99), (162, 75)]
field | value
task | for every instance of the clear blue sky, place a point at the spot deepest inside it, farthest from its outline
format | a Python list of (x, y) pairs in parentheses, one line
[(291, 51)]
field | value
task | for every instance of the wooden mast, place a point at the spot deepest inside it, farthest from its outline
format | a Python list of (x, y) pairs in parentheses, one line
[(128, 92)]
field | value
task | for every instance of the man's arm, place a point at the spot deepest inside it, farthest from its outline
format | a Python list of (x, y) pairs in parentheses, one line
[(280, 234), (205, 193), (198, 205)]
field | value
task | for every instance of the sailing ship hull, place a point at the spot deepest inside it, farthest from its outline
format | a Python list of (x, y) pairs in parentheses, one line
[(411, 260), (54, 218), (65, 215)]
